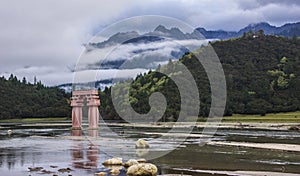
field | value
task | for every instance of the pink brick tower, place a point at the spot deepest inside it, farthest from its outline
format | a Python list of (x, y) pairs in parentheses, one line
[(93, 102)]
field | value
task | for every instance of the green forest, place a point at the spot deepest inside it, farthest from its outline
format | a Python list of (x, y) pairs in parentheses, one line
[(21, 99), (262, 76)]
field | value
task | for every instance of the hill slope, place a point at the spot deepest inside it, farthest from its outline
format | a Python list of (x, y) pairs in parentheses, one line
[(262, 75), (22, 99)]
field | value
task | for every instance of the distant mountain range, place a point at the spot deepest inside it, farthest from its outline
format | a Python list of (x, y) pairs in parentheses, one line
[(287, 30), (160, 32)]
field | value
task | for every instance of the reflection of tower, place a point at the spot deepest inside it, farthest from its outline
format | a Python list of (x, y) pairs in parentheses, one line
[(78, 151), (93, 150), (92, 156), (93, 102)]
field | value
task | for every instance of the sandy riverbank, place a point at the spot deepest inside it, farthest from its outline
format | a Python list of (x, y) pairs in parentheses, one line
[(271, 146), (240, 173), (228, 125)]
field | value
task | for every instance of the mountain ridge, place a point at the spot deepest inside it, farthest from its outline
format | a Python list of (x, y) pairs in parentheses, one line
[(286, 30)]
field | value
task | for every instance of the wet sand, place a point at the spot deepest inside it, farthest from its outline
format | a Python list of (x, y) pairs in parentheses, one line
[(240, 173), (224, 125), (271, 146)]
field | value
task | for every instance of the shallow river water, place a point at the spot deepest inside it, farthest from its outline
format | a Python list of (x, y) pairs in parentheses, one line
[(57, 147)]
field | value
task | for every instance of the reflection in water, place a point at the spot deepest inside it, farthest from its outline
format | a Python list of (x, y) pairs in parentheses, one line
[(80, 150)]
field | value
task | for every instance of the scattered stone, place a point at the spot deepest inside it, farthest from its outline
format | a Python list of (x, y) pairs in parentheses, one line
[(131, 162), (100, 174), (47, 172), (54, 166), (145, 169), (294, 128), (65, 170), (141, 143), (9, 132), (54, 175), (35, 169), (141, 160), (113, 161), (114, 172)]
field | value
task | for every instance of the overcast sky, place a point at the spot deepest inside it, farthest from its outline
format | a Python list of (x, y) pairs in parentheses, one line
[(44, 38)]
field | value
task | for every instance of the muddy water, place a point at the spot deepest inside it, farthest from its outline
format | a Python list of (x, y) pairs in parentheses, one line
[(55, 148)]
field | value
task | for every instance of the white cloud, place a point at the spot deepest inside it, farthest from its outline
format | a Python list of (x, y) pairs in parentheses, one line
[(94, 75), (49, 34)]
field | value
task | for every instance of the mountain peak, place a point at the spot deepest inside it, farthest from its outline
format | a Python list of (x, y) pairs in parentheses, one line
[(161, 28)]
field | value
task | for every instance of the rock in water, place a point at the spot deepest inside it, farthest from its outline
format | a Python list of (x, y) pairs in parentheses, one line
[(141, 160), (141, 143), (9, 132), (144, 169), (114, 172), (113, 161), (131, 162), (100, 174)]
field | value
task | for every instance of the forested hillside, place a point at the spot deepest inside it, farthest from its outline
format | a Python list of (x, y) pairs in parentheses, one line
[(262, 74), (20, 99)]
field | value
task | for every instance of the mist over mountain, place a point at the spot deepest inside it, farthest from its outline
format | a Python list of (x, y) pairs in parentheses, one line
[(130, 50), (286, 30)]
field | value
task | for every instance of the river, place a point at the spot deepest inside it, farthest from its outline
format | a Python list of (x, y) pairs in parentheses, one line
[(54, 147)]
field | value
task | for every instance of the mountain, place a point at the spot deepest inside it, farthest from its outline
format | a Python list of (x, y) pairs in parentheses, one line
[(158, 34), (220, 34), (175, 33), (262, 76), (287, 30), (101, 84), (266, 27), (150, 49), (117, 38)]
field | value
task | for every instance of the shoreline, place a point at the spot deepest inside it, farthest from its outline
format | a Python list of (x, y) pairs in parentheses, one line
[(223, 125), (270, 146), (238, 172), (167, 125)]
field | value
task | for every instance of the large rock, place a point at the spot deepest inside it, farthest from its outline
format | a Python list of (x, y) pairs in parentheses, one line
[(131, 162), (113, 161), (141, 143), (144, 169)]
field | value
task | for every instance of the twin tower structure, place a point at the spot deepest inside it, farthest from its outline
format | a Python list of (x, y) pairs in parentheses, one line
[(78, 100)]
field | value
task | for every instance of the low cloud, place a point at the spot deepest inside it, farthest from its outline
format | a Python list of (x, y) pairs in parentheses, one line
[(44, 38)]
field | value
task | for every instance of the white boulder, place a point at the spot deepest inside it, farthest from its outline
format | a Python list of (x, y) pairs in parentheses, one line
[(144, 169), (131, 162), (113, 161), (141, 143)]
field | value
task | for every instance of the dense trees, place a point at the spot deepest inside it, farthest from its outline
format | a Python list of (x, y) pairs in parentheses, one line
[(21, 99), (262, 74)]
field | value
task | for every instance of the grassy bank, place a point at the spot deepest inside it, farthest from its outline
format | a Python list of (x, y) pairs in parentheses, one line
[(286, 117), (31, 120)]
